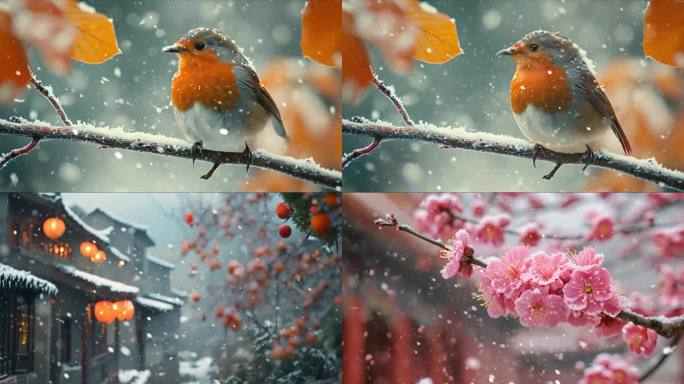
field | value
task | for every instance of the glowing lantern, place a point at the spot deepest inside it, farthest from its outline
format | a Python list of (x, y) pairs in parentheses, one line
[(88, 249), (54, 228), (124, 310), (99, 257), (104, 312)]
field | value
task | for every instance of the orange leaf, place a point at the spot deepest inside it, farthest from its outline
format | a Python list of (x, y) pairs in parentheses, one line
[(95, 40), (14, 69), (322, 30), (664, 31), (356, 71), (437, 41)]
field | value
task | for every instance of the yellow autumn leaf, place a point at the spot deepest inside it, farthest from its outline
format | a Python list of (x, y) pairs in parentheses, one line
[(437, 40), (95, 41), (664, 31)]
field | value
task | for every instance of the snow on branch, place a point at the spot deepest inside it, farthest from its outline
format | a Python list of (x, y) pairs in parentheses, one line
[(459, 137), (305, 169)]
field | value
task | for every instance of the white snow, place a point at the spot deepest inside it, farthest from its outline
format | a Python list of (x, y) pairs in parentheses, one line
[(134, 377), (200, 370), (168, 299), (154, 304), (161, 262), (14, 278), (96, 280)]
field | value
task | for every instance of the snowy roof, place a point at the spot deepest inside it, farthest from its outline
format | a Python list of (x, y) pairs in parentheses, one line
[(138, 227), (168, 299), (14, 278), (179, 293), (154, 304), (119, 220), (98, 281), (160, 262)]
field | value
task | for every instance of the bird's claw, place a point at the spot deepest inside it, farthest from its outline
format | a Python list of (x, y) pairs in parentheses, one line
[(588, 158), (196, 151), (538, 148), (551, 174), (247, 156)]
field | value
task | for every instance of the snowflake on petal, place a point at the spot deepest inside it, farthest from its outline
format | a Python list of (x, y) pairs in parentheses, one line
[(546, 269), (506, 273)]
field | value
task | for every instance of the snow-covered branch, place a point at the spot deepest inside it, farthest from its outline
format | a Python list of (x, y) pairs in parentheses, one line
[(459, 137), (305, 169)]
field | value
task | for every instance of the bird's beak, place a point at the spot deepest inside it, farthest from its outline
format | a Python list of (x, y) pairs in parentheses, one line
[(173, 48), (510, 51)]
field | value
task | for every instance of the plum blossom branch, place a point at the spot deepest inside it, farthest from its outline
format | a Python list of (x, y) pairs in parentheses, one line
[(452, 137), (306, 169), (398, 105), (664, 326)]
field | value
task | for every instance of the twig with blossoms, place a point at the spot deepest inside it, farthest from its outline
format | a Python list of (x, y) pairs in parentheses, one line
[(546, 290)]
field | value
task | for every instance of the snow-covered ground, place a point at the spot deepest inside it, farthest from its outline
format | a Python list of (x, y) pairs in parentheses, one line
[(134, 377), (196, 371)]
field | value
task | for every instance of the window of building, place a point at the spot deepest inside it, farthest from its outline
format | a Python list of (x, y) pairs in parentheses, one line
[(16, 333), (65, 341)]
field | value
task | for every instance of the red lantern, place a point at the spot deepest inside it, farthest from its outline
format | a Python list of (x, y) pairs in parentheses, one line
[(104, 312), (124, 310), (88, 249), (54, 228), (99, 257)]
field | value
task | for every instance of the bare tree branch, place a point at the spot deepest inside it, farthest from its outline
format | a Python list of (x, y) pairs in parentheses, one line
[(645, 169), (398, 105), (47, 92), (667, 352), (305, 169)]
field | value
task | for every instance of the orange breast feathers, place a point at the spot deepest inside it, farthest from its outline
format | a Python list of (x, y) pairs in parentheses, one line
[(204, 80), (541, 83)]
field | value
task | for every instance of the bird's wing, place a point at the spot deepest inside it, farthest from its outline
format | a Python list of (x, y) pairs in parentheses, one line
[(264, 99), (591, 89)]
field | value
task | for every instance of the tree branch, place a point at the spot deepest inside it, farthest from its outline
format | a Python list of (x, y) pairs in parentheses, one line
[(306, 169), (47, 92), (667, 352), (646, 169), (398, 105), (664, 326)]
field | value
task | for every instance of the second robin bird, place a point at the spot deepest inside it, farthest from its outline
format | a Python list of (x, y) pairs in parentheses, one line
[(218, 99), (556, 100)]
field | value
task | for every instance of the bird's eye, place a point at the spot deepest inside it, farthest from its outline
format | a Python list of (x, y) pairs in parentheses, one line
[(533, 47), (199, 46)]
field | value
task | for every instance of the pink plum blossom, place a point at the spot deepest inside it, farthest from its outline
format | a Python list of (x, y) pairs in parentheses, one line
[(610, 369), (506, 273), (587, 258), (670, 242), (640, 340), (478, 208), (609, 327), (546, 269), (491, 229), (459, 254), (437, 215), (537, 307), (587, 290), (497, 305), (602, 227), (530, 235)]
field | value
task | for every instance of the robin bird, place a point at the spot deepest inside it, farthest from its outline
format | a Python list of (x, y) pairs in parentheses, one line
[(556, 100), (218, 99)]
